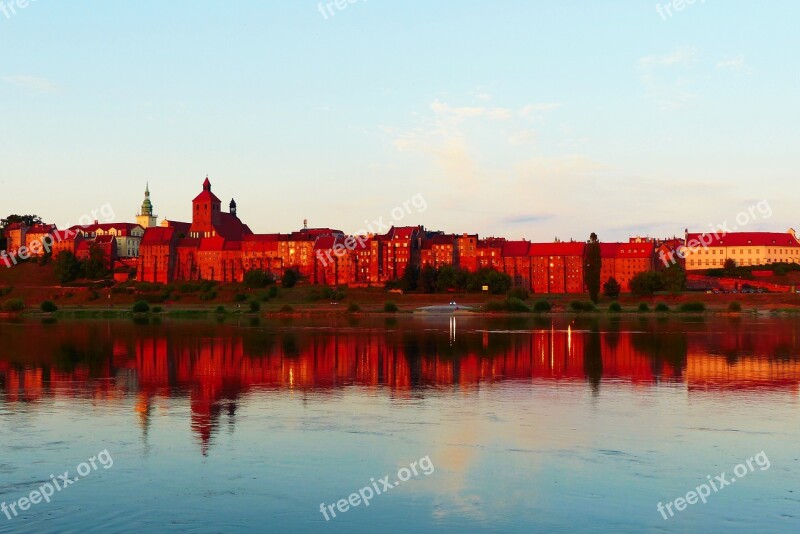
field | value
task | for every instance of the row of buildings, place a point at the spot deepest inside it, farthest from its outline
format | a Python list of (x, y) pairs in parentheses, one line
[(217, 245)]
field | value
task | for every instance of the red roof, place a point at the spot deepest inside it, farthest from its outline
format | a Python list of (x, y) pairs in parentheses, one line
[(122, 228), (158, 235), (232, 228), (627, 250), (572, 248), (403, 232), (41, 228), (65, 235), (263, 238), (14, 226), (744, 239), (516, 248), (104, 239)]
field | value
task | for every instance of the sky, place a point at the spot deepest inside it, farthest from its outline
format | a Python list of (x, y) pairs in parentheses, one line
[(524, 119)]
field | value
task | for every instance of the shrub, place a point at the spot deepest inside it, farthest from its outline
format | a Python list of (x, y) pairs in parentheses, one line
[(516, 305), (289, 279), (5, 291), (189, 287), (94, 295), (390, 307), (286, 309), (141, 307), (255, 306), (239, 297), (157, 309), (519, 293), (643, 307), (661, 307), (612, 288), (578, 306), (542, 305), (257, 278), (220, 309), (614, 307), (48, 306), (272, 292), (734, 307), (208, 295), (14, 305), (495, 306), (693, 307), (646, 283), (353, 308)]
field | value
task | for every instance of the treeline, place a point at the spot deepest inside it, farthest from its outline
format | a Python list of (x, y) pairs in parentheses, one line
[(449, 278), (68, 267)]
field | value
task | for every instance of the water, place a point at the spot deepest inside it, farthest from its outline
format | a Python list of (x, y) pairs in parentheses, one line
[(529, 425)]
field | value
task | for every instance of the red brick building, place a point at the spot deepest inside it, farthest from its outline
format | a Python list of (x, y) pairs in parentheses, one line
[(623, 261)]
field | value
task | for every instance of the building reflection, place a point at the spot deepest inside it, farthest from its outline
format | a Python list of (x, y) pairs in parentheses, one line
[(215, 368)]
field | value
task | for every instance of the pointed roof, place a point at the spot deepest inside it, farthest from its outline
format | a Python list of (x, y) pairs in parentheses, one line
[(206, 194)]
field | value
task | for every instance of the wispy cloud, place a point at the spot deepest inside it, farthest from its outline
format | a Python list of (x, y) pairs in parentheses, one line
[(664, 78), (31, 83), (525, 219), (734, 63)]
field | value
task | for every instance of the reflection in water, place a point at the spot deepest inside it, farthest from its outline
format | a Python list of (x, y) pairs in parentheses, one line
[(216, 365)]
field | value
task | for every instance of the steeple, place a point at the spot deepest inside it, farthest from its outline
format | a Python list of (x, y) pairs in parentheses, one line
[(207, 184), (232, 207), (145, 217)]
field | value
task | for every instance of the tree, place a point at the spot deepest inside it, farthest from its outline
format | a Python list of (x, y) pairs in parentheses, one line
[(591, 273), (290, 277), (673, 278), (256, 278), (729, 267), (410, 279), (645, 283), (427, 279), (96, 266), (611, 288), (66, 267), (29, 220)]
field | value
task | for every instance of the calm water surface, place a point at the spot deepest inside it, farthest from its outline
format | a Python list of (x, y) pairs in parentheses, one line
[(577, 425)]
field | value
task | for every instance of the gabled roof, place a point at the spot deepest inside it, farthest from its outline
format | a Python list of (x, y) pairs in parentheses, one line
[(744, 239), (41, 228), (232, 228), (572, 248), (123, 228), (516, 248), (66, 235), (158, 235)]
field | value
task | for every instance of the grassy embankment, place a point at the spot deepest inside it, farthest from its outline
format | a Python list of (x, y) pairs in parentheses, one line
[(35, 284)]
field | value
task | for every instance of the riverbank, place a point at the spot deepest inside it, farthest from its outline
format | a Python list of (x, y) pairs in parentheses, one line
[(210, 299)]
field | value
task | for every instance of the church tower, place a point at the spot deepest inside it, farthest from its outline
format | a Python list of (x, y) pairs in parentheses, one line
[(206, 212), (145, 217)]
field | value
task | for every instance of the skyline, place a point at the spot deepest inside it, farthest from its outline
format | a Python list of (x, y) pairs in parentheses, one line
[(384, 101)]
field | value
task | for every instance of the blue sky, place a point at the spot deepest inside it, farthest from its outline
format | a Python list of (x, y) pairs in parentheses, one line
[(525, 119)]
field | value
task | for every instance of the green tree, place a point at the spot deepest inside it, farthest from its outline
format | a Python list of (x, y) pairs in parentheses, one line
[(96, 266), (427, 279), (645, 283), (290, 277), (673, 278), (410, 279), (591, 272), (729, 267), (257, 278), (66, 266), (611, 288)]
